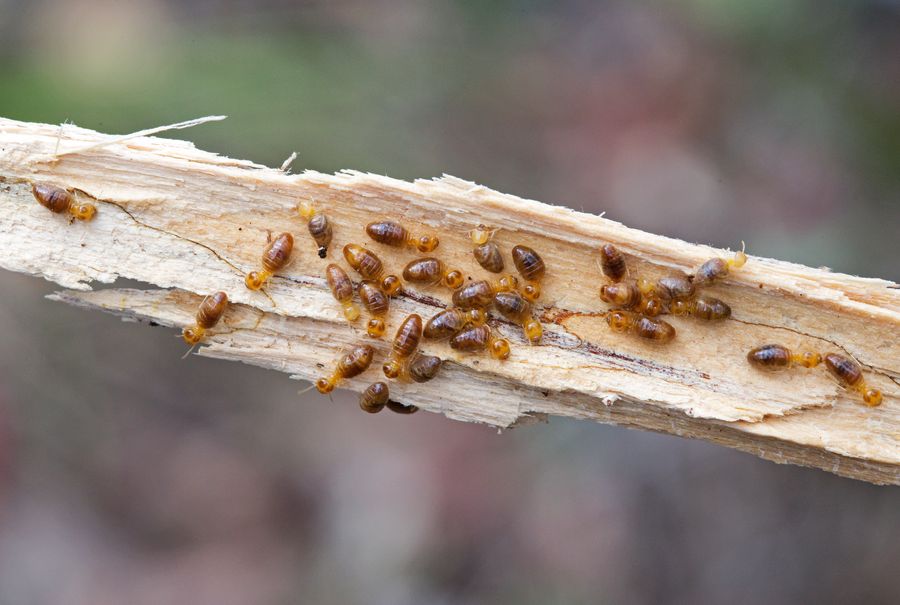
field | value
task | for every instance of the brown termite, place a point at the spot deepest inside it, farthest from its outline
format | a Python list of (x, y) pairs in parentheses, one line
[(668, 288), (405, 345), (629, 295), (778, 357), (208, 315), (59, 200), (399, 408), (424, 367), (480, 294), (450, 321), (395, 234), (352, 364), (274, 258), (377, 304), (702, 307), (431, 271), (612, 263), (342, 290), (849, 374), (716, 268), (645, 327), (481, 338), (319, 226), (367, 264), (514, 307), (531, 267), (375, 397), (486, 252)]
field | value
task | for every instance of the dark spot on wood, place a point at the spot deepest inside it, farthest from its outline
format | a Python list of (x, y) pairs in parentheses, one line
[(545, 393), (320, 365), (152, 323)]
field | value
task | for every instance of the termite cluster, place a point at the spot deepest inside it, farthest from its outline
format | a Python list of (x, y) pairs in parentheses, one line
[(465, 324), (636, 303)]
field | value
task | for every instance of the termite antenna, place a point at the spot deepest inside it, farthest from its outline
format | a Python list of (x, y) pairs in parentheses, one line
[(311, 386)]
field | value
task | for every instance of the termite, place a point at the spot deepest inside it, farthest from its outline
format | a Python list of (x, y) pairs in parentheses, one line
[(486, 252), (612, 263), (450, 321), (342, 290), (377, 395), (395, 234), (405, 345), (352, 364), (374, 398), (849, 374), (481, 338), (424, 367), (778, 357), (702, 307), (645, 327), (480, 294), (59, 200), (630, 295), (274, 258), (514, 307), (531, 267), (367, 264), (716, 268), (431, 271), (319, 226), (208, 315), (377, 304)]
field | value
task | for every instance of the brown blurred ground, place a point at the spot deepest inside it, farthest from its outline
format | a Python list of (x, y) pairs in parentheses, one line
[(130, 476)]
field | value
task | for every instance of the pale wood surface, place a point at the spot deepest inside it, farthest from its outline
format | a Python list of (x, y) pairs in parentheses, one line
[(176, 217)]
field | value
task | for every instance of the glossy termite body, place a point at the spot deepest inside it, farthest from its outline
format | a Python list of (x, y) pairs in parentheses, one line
[(515, 308), (450, 321), (275, 257), (208, 315), (775, 357), (366, 263), (481, 338), (480, 294), (59, 201), (405, 345), (628, 295), (395, 234), (377, 304), (486, 252), (612, 263), (377, 395), (629, 322), (318, 225), (342, 290), (717, 268), (702, 307), (849, 374), (424, 367), (352, 364), (431, 271), (531, 267)]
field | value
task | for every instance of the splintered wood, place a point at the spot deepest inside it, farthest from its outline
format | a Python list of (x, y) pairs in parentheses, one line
[(189, 222)]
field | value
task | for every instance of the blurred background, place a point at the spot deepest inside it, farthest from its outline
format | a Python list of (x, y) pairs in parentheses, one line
[(130, 476)]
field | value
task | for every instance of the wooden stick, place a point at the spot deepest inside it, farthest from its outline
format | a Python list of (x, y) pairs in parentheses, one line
[(179, 218)]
